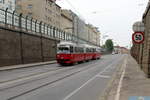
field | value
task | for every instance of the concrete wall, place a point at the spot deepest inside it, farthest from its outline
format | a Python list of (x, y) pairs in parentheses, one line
[(9, 48), (141, 52), (18, 47), (146, 45)]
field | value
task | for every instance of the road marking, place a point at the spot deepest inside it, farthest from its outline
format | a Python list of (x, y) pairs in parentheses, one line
[(7, 83), (117, 97), (25, 78), (75, 91), (103, 76)]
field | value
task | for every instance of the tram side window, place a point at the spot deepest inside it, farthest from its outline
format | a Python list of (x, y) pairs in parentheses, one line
[(71, 49), (76, 49), (79, 50), (82, 50), (87, 50), (93, 50)]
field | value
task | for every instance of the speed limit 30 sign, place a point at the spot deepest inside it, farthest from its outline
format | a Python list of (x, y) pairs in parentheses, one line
[(138, 37)]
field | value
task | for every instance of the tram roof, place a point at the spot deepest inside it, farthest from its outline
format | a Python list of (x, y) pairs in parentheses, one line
[(70, 43), (67, 43)]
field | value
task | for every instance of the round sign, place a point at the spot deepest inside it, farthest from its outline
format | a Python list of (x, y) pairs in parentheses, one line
[(138, 27), (138, 37)]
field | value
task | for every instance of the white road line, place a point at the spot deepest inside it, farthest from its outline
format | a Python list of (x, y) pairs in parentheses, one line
[(75, 91), (103, 76), (117, 97)]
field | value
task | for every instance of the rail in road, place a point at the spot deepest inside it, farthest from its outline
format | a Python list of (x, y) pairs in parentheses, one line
[(33, 79)]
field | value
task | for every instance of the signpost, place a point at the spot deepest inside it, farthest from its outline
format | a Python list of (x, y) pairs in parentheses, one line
[(138, 35)]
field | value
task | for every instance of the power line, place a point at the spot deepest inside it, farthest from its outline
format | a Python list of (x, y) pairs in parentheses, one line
[(80, 15)]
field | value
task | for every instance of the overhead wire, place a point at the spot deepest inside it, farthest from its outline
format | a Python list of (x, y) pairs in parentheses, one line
[(76, 10)]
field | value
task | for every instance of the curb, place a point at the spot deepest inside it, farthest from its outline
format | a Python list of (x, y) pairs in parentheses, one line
[(107, 91), (4, 68)]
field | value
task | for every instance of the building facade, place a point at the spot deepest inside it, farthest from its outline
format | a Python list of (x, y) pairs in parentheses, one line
[(46, 11), (66, 21), (50, 13), (10, 4), (93, 34)]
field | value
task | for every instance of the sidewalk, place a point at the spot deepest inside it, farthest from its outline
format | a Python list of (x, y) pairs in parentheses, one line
[(26, 65), (133, 83)]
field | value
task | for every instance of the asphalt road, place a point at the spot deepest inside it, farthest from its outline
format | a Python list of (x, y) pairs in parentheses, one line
[(86, 81)]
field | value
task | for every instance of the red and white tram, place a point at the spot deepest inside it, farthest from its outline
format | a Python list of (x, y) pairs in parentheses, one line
[(70, 53)]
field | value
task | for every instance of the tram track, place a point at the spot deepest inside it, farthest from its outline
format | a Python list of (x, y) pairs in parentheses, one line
[(54, 81), (58, 79), (25, 72), (61, 73), (3, 83), (31, 75)]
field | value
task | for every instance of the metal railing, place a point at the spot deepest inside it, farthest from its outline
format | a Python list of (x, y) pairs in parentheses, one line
[(35, 27)]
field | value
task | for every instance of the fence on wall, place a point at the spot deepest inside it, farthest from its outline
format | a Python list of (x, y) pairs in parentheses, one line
[(29, 24)]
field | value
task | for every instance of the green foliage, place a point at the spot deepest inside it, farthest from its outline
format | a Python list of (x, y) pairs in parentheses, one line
[(103, 46), (109, 45)]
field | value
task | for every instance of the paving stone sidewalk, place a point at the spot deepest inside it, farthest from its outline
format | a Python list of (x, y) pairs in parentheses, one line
[(134, 83)]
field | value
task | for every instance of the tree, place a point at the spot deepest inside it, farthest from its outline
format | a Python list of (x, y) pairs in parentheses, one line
[(103, 46), (109, 45)]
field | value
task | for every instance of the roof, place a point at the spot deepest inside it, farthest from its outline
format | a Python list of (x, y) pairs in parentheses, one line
[(147, 9), (66, 43)]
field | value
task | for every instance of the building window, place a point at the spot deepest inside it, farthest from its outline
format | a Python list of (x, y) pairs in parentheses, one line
[(47, 18), (18, 7), (29, 6), (30, 14), (48, 11), (2, 1), (49, 2)]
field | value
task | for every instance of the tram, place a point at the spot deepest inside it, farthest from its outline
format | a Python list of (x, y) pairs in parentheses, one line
[(70, 53)]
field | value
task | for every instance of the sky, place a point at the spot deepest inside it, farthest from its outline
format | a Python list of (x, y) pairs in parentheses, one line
[(114, 18)]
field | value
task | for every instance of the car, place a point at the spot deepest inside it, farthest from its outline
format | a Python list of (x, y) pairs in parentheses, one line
[(113, 53)]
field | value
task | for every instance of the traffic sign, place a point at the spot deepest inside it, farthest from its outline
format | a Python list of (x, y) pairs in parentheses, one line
[(138, 27), (138, 37)]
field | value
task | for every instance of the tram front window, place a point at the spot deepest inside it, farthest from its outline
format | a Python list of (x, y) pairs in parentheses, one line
[(63, 50)]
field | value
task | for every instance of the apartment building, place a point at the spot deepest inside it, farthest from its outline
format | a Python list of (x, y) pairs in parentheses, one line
[(50, 13), (93, 34), (10, 4), (85, 31), (46, 11), (66, 21)]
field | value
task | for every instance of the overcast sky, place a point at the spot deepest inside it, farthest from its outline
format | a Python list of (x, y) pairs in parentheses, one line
[(113, 17)]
